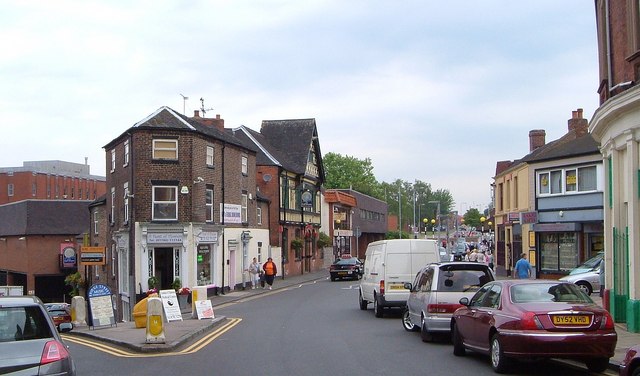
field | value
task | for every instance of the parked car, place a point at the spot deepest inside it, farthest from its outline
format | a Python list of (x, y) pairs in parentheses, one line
[(630, 365), (435, 294), (587, 275), (509, 319), (346, 267), (29, 341)]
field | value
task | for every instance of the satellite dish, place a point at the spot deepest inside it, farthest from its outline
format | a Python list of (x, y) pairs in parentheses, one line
[(266, 178)]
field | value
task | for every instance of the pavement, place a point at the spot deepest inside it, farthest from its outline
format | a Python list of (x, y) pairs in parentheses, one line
[(178, 334)]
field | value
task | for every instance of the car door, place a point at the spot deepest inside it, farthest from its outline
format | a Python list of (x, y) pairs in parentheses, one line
[(483, 315), (413, 302), (466, 320)]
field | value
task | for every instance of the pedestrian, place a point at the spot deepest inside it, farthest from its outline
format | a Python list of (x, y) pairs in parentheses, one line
[(270, 271), (481, 257), (523, 268), (254, 272), (490, 260)]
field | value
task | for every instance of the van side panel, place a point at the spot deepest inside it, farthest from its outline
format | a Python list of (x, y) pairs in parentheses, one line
[(373, 270)]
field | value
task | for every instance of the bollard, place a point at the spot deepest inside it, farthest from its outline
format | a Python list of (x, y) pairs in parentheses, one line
[(78, 311), (155, 321)]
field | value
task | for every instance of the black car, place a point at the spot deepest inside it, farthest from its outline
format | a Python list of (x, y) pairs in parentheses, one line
[(346, 267)]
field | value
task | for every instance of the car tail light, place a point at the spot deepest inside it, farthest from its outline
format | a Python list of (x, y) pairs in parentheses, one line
[(530, 321), (607, 322), (53, 352), (442, 308), (382, 287)]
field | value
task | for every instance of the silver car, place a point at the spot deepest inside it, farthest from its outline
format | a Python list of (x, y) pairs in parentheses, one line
[(29, 341), (436, 292), (587, 275)]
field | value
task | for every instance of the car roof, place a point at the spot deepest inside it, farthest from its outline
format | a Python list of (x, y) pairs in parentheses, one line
[(19, 301)]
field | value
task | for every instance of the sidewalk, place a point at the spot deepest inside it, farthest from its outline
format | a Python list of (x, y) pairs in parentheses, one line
[(179, 333)]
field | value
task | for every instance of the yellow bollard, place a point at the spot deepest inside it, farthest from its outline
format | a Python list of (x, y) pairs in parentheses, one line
[(155, 321)]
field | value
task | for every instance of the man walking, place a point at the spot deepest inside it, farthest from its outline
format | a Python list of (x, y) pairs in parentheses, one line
[(523, 268), (270, 272)]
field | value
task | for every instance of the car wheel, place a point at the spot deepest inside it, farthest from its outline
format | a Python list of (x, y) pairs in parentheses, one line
[(424, 332), (378, 309), (499, 362), (333, 278), (598, 364), (636, 372), (406, 322), (585, 287), (363, 303), (456, 338)]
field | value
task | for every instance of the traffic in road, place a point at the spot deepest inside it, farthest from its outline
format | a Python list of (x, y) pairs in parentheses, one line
[(314, 328)]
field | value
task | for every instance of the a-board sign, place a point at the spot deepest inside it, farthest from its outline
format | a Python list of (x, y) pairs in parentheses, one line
[(170, 305), (204, 310), (100, 305)]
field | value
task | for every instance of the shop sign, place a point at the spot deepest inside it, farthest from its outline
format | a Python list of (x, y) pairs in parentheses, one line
[(529, 217), (343, 232), (208, 237), (92, 255), (164, 238), (68, 253), (230, 213), (514, 217)]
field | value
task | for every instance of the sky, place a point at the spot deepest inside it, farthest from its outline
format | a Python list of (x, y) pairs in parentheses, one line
[(427, 90)]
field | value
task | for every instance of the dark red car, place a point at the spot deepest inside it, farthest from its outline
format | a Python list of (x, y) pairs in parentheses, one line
[(631, 364), (59, 313), (509, 319)]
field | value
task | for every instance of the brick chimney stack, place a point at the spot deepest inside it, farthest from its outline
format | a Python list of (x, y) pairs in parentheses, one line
[(577, 123), (210, 122), (536, 139)]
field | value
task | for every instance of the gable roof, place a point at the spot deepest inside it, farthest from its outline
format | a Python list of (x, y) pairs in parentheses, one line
[(44, 217), (169, 119), (572, 144)]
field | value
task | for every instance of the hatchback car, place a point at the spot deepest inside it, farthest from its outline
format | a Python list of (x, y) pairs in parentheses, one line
[(29, 341), (587, 275), (59, 316), (346, 267), (509, 319), (630, 366), (436, 292)]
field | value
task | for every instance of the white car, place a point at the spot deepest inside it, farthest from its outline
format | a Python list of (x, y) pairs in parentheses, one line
[(587, 275)]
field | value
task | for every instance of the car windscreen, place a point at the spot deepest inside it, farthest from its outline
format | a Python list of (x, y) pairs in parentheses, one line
[(23, 323), (462, 280), (548, 292), (350, 261)]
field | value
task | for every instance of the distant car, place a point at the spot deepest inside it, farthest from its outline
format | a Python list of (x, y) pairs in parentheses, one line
[(346, 267), (630, 366), (509, 319), (436, 292), (50, 306), (587, 275), (59, 316), (29, 341)]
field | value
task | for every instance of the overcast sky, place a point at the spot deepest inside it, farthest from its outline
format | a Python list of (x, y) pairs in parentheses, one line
[(429, 90)]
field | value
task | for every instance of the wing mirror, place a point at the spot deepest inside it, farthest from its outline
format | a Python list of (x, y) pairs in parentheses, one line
[(464, 301), (407, 286)]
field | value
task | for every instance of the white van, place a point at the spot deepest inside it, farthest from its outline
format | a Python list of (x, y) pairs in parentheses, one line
[(388, 265)]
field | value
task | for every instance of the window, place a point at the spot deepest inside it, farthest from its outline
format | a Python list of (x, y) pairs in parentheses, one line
[(210, 156), (112, 217), (259, 215), (165, 149), (10, 189), (209, 204), (126, 153), (96, 226), (165, 203), (123, 271), (113, 160), (126, 202), (571, 180), (243, 208), (245, 167)]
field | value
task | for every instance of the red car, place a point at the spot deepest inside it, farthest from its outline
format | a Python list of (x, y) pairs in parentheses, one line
[(509, 319), (59, 313), (631, 364)]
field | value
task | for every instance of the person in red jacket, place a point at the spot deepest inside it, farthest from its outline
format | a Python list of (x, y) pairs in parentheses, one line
[(270, 271)]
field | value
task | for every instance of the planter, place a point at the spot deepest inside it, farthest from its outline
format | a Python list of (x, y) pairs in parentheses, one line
[(182, 301)]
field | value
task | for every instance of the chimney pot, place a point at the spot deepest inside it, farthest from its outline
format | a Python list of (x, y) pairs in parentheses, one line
[(577, 123), (196, 113)]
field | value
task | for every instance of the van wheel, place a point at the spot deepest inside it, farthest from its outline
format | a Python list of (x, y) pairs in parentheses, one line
[(424, 332), (363, 303), (378, 309)]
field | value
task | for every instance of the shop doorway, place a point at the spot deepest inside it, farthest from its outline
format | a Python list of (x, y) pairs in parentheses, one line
[(163, 266)]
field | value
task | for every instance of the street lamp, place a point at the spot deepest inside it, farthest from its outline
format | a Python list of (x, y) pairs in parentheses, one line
[(433, 228), (425, 221), (482, 219)]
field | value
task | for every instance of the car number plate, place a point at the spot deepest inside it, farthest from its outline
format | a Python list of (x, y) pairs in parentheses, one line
[(396, 287), (571, 320), (341, 273)]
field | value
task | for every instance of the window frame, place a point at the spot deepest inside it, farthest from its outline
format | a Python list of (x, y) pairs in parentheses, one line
[(244, 204), (125, 208), (209, 205), (113, 160), (563, 174), (155, 149), (245, 165), (155, 202), (210, 156), (126, 153)]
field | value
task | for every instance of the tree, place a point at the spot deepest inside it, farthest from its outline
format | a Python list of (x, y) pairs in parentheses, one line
[(472, 218), (346, 172)]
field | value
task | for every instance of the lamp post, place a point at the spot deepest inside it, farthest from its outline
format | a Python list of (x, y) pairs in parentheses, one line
[(433, 228), (482, 219), (426, 222)]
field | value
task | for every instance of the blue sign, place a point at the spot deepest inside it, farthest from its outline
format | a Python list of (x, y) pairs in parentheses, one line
[(99, 290)]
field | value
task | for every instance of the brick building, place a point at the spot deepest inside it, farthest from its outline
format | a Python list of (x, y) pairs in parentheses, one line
[(182, 203), (49, 180)]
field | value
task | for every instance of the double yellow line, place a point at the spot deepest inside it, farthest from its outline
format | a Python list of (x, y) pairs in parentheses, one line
[(193, 348)]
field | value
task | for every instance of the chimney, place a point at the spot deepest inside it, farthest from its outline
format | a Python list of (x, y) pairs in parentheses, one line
[(209, 122), (196, 113), (536, 139), (577, 123)]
